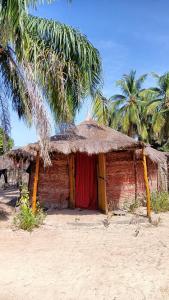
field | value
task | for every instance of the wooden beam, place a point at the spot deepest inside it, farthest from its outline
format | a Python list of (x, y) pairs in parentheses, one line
[(72, 180), (102, 196), (146, 185), (35, 183)]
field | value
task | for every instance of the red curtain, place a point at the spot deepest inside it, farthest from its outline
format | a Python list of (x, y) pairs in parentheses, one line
[(86, 181)]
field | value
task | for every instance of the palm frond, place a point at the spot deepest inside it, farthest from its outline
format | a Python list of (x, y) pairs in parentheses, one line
[(139, 82), (100, 109), (117, 97), (4, 113)]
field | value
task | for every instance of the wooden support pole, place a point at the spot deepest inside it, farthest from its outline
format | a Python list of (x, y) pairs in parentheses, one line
[(146, 185), (102, 195), (35, 183), (135, 173), (72, 180)]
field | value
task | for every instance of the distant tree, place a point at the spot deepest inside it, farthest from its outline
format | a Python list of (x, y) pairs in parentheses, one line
[(138, 112), (125, 112), (158, 107), (6, 143), (127, 107)]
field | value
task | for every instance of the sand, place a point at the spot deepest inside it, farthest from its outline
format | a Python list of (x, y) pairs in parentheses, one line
[(79, 255)]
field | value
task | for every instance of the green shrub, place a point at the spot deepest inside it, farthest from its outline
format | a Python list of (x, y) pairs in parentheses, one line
[(160, 201), (134, 206), (25, 219)]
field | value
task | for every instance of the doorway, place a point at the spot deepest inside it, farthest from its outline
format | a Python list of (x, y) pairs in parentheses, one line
[(86, 181)]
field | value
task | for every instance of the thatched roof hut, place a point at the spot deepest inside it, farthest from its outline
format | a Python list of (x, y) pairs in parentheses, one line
[(93, 166)]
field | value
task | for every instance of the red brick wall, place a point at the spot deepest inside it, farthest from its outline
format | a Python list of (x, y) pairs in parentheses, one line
[(53, 184), (152, 176), (121, 178)]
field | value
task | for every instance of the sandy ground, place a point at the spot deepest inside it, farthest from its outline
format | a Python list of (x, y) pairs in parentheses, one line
[(79, 255)]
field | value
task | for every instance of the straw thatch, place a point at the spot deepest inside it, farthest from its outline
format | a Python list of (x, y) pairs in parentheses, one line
[(87, 137), (91, 138), (155, 155), (6, 163)]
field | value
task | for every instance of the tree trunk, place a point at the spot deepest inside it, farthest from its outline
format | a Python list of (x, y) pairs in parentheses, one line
[(130, 131)]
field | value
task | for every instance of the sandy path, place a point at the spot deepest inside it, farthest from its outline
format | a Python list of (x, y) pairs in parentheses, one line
[(74, 256)]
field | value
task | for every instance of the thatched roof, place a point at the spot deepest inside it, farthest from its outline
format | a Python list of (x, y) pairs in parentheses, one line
[(154, 155), (6, 163), (86, 137), (92, 138)]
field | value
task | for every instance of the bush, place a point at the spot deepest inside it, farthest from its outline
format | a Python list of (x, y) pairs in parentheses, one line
[(133, 207), (160, 201), (25, 218)]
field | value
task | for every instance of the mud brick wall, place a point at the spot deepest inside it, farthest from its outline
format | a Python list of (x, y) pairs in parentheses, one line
[(152, 169), (124, 179), (53, 184)]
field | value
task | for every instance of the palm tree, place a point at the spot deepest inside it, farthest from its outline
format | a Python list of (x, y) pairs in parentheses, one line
[(127, 107), (159, 108), (100, 109), (6, 143), (125, 112), (43, 59)]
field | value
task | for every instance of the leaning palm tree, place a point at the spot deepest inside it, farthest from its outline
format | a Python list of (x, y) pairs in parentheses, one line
[(44, 60)]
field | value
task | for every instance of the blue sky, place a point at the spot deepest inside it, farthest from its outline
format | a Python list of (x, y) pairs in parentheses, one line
[(129, 35)]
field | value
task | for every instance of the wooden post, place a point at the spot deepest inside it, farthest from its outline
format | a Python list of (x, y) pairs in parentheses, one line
[(102, 196), (72, 180), (146, 185), (35, 183), (135, 173)]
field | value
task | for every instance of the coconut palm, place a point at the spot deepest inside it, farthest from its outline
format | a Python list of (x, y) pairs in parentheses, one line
[(127, 111), (127, 107), (159, 108), (43, 59), (100, 109)]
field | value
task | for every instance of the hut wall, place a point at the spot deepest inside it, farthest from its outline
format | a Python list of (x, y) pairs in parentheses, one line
[(152, 169), (120, 179), (53, 184), (124, 179)]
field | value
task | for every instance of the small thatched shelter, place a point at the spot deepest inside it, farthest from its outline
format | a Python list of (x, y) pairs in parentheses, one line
[(6, 168), (93, 167)]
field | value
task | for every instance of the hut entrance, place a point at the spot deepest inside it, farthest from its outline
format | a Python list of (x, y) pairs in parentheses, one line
[(86, 181)]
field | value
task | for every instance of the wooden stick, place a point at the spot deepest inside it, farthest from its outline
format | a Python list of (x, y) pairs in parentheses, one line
[(146, 185), (102, 195), (72, 180), (135, 173), (35, 184)]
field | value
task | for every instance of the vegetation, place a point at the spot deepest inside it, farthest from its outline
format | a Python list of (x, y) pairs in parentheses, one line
[(159, 108), (160, 201), (6, 143), (134, 206), (43, 59), (138, 112), (127, 107), (25, 219)]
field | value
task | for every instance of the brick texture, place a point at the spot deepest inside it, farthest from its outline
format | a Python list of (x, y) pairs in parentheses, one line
[(53, 184), (124, 180)]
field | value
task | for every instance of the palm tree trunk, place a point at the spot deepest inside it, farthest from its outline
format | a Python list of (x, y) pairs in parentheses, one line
[(130, 131)]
